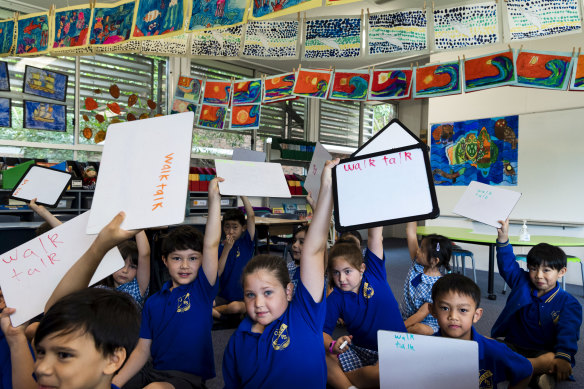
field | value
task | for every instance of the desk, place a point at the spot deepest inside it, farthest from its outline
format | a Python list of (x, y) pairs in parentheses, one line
[(466, 235)]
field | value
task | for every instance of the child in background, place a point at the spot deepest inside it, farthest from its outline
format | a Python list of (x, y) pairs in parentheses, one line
[(540, 320), (363, 299), (176, 321), (430, 260), (234, 253), (456, 300), (283, 333), (296, 251)]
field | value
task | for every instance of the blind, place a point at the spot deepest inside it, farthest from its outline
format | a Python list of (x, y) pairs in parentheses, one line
[(339, 123)]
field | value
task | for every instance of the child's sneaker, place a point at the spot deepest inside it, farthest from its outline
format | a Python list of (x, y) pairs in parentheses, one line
[(546, 381)]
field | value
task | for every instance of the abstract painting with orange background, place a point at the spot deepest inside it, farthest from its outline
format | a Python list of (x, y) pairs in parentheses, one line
[(312, 83), (437, 80), (489, 71), (544, 69), (245, 117), (390, 84), (217, 92), (212, 116), (279, 88), (578, 74), (350, 85)]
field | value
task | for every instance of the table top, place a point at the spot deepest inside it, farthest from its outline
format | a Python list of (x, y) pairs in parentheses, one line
[(467, 235), (268, 221)]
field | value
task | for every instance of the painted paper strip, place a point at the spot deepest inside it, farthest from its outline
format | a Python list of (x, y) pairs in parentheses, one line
[(577, 82), (437, 80), (245, 117), (176, 45), (350, 85), (276, 39), (483, 150), (247, 92), (45, 116), (397, 32), (71, 28), (179, 106), (279, 88), (224, 42), (112, 23), (542, 18), (547, 70), (154, 18), (312, 83), (6, 37), (212, 116), (217, 92), (189, 89), (390, 84), (129, 46), (466, 25), (332, 38), (489, 71), (268, 9), (207, 14), (32, 34)]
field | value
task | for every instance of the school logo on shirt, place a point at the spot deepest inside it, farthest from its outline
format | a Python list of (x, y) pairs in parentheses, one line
[(281, 340), (485, 379), (184, 303), (556, 316), (237, 255), (368, 291)]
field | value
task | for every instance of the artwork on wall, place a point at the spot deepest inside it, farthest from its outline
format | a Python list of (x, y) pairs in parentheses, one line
[(577, 81), (350, 85), (225, 42), (279, 88), (217, 92), (544, 69), (489, 71), (312, 83), (6, 36), (437, 80), (33, 34), (45, 116), (208, 14), (247, 92), (390, 84), (4, 77), (113, 24), (189, 88), (466, 25), (179, 106), (274, 39), (268, 9), (332, 38), (397, 32), (212, 116), (45, 83), (5, 112), (159, 17), (71, 27), (245, 117), (542, 18), (483, 150)]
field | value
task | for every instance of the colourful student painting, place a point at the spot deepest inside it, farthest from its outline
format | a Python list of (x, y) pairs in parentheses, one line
[(312, 83), (544, 69), (6, 36), (279, 88), (212, 116), (45, 116), (245, 117), (397, 32), (489, 71), (390, 84), (45, 83), (483, 150), (189, 88), (112, 24), (217, 13), (332, 38), (577, 82), (4, 77), (350, 85), (159, 17), (217, 92), (269, 8), (5, 112), (247, 91), (71, 27), (437, 80), (275, 39), (33, 34), (179, 106)]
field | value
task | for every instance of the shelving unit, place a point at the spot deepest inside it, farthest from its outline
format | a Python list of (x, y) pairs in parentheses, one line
[(197, 203), (74, 201)]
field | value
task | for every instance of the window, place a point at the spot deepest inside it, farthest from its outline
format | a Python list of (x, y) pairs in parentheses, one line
[(339, 123)]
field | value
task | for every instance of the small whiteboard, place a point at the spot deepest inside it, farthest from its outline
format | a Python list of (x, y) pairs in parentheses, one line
[(384, 188), (30, 272), (319, 157), (421, 362), (45, 184), (394, 135), (486, 204), (254, 179)]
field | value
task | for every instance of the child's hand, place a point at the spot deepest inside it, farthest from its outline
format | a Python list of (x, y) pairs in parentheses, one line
[(36, 207), (503, 232), (326, 177), (11, 333), (112, 235), (561, 368), (310, 200), (337, 347), (425, 308), (214, 187), (228, 242)]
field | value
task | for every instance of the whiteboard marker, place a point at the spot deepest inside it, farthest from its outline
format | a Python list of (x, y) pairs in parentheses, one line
[(343, 345)]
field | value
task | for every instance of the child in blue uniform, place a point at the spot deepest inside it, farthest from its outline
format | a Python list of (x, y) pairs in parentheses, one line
[(296, 252), (540, 320), (430, 260), (176, 321), (456, 300), (363, 299), (282, 332), (234, 253)]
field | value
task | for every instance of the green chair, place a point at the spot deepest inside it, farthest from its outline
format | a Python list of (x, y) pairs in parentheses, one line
[(460, 253)]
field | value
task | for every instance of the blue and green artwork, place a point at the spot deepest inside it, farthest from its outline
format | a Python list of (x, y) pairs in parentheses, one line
[(350, 85), (217, 13), (437, 80), (71, 27), (33, 35), (247, 91), (45, 116), (45, 83), (112, 24), (546, 70), (4, 77), (483, 150), (5, 112), (6, 36), (158, 17)]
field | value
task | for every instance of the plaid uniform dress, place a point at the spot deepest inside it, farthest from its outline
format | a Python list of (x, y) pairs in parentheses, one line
[(417, 291)]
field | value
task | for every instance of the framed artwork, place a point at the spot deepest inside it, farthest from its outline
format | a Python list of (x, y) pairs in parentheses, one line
[(4, 77), (45, 83), (5, 112), (45, 116)]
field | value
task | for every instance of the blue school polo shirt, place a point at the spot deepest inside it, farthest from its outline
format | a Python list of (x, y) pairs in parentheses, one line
[(5, 364), (288, 354), (230, 287), (373, 308), (179, 324)]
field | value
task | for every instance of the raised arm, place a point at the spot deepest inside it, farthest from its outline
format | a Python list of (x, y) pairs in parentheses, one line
[(313, 251), (212, 232), (20, 355), (227, 246), (44, 213), (250, 222), (375, 241), (310, 201), (79, 275), (412, 238), (143, 273)]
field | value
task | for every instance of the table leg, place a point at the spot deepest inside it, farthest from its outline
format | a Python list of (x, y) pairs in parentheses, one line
[(490, 294)]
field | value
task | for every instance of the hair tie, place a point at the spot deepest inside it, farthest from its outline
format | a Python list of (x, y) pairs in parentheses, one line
[(438, 247)]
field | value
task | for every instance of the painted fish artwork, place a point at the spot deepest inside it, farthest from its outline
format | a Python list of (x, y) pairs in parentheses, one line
[(159, 17), (217, 13), (350, 85), (113, 24), (332, 38), (437, 80), (276, 39), (45, 116), (397, 32), (5, 112), (466, 25), (212, 116), (577, 82), (546, 70), (245, 117), (33, 34), (179, 106), (272, 8), (45, 83), (312, 83), (4, 77), (483, 150), (390, 84), (217, 92), (71, 28), (189, 88), (279, 88), (225, 42), (542, 18), (247, 92), (489, 71), (6, 36)]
